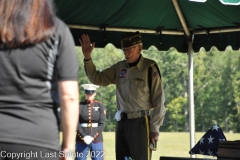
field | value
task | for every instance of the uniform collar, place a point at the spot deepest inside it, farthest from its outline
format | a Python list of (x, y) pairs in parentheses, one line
[(140, 63), (88, 102)]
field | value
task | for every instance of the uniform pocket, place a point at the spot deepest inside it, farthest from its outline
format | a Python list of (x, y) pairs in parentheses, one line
[(138, 82), (138, 88), (122, 85), (121, 80)]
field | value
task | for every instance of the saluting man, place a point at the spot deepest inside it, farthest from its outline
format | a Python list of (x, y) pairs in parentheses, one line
[(138, 90), (89, 140)]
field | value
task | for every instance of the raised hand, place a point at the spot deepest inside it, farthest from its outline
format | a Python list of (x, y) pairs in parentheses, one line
[(87, 46)]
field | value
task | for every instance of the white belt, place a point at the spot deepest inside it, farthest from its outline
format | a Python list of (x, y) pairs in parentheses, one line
[(89, 124)]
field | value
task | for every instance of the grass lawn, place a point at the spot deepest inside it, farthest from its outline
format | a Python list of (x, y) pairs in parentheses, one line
[(173, 144)]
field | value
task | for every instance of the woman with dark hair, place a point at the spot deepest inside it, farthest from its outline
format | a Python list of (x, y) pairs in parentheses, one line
[(37, 61)]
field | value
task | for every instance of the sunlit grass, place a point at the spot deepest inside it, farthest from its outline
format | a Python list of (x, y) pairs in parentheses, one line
[(172, 144)]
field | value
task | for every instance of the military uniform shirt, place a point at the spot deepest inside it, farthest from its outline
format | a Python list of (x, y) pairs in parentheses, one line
[(133, 90), (91, 112)]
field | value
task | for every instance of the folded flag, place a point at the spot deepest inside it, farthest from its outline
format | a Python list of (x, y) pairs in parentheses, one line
[(208, 144)]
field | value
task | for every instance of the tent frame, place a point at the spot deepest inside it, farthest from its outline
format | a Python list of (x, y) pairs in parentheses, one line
[(151, 31)]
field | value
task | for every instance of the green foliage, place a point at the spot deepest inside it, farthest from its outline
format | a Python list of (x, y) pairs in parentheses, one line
[(216, 86), (176, 109)]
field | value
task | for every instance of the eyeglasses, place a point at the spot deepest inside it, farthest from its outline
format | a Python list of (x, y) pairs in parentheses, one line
[(130, 49)]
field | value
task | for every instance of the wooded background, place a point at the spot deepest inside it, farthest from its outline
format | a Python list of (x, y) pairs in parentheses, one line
[(216, 87)]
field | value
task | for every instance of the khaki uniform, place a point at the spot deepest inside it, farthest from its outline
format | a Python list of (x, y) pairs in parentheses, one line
[(139, 89), (133, 90)]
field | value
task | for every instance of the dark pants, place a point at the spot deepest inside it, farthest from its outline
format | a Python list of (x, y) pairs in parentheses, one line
[(133, 139), (10, 151)]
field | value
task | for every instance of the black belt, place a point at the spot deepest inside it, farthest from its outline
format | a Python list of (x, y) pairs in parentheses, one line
[(133, 115), (124, 116)]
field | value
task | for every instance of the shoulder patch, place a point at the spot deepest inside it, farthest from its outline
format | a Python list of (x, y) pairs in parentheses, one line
[(155, 74), (156, 71)]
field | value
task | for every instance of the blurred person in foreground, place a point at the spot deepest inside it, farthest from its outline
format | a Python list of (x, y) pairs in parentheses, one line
[(89, 140), (140, 97), (37, 52)]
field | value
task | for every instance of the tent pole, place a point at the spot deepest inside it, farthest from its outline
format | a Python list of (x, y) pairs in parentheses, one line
[(191, 98), (190, 74), (181, 17)]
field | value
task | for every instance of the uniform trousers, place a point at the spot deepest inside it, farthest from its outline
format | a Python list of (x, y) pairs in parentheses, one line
[(11, 151), (93, 150), (133, 139)]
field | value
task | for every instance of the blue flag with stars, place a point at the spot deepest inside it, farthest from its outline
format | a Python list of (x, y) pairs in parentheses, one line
[(208, 144)]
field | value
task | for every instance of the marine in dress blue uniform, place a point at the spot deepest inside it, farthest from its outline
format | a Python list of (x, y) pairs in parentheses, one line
[(89, 139)]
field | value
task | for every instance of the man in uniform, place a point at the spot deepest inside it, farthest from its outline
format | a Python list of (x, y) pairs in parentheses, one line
[(139, 91)]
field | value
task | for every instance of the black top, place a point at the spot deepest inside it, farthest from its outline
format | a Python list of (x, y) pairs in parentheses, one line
[(27, 76), (91, 112)]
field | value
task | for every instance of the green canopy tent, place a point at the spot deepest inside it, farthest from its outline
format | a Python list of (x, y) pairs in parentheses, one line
[(186, 25), (164, 23)]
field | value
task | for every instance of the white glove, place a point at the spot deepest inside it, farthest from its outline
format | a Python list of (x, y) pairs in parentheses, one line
[(118, 115), (88, 139)]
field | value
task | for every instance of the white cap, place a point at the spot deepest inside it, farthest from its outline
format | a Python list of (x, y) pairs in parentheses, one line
[(89, 88)]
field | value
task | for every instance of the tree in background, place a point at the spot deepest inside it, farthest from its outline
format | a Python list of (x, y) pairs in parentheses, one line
[(214, 83)]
